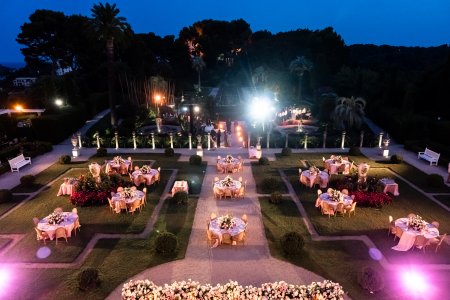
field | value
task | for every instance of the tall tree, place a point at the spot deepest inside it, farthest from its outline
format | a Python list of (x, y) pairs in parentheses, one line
[(298, 66), (198, 64), (349, 112), (109, 27)]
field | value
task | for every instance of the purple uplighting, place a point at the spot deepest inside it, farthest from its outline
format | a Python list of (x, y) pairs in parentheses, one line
[(375, 254), (415, 283), (43, 252), (5, 278)]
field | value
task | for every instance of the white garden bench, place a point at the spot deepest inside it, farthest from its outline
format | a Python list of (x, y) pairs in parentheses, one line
[(430, 156), (19, 161)]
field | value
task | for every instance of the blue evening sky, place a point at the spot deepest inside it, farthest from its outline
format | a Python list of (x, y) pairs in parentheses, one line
[(392, 22)]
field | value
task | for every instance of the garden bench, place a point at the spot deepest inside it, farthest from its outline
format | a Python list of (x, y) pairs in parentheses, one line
[(430, 156), (19, 161)]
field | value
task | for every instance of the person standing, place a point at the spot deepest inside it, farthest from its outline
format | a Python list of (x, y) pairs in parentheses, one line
[(225, 138), (218, 134)]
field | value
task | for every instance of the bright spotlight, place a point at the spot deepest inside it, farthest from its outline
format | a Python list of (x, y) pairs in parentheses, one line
[(58, 102), (5, 278), (414, 282), (185, 108), (196, 109), (18, 107)]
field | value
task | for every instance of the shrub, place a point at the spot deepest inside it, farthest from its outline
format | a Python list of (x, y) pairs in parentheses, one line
[(101, 152), (270, 184), (64, 159), (371, 280), (195, 160), (275, 198), (88, 278), (180, 197), (166, 243), (27, 180), (435, 180), (169, 152), (396, 159), (286, 152), (354, 151), (370, 199), (292, 243), (5, 196), (264, 161)]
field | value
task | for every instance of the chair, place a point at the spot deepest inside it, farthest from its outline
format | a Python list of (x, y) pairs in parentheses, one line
[(437, 242), (136, 204), (435, 224), (391, 228), (228, 193), (319, 192), (60, 232), (240, 179), (212, 216), (158, 176), (420, 243), (41, 235), (218, 193), (239, 238), (211, 239), (226, 238), (411, 215), (216, 179), (398, 233), (241, 192), (58, 210), (111, 205), (352, 209), (136, 168), (344, 191), (76, 225), (329, 190), (133, 188), (327, 209), (220, 169), (340, 209), (123, 205), (245, 218), (144, 190), (120, 189), (219, 157), (35, 221), (75, 210)]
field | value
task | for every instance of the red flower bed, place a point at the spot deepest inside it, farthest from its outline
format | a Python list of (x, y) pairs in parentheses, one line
[(371, 199), (90, 198)]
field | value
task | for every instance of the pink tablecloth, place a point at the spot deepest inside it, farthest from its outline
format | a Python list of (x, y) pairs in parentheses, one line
[(67, 188), (309, 180), (121, 168), (409, 235), (389, 186), (117, 197), (150, 177), (334, 167), (68, 224), (180, 186)]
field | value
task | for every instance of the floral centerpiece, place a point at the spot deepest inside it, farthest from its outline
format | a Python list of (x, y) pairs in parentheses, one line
[(337, 159), (228, 158), (314, 171), (336, 195), (416, 223), (55, 218), (226, 222), (118, 160), (128, 193), (145, 169), (228, 181)]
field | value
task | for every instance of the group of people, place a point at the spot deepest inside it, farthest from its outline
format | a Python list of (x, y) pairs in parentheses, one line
[(220, 137)]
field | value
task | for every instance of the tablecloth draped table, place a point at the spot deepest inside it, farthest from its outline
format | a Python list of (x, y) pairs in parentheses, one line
[(334, 167), (222, 186), (231, 166), (149, 177), (324, 197), (254, 153), (121, 168), (180, 186), (389, 186), (128, 200), (68, 224), (309, 179), (239, 227), (67, 188), (408, 237)]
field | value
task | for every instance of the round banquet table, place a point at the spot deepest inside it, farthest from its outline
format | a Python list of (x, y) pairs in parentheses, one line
[(121, 168), (68, 224), (214, 227), (309, 180), (117, 197), (334, 167), (326, 198), (408, 237), (149, 177), (225, 166), (234, 186)]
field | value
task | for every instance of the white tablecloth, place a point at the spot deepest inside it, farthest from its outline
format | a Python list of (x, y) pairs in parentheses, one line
[(326, 198), (50, 229), (66, 188), (234, 186), (214, 227), (149, 177), (390, 186), (254, 153), (121, 168), (334, 167), (309, 180), (226, 167), (138, 196), (409, 235), (180, 186)]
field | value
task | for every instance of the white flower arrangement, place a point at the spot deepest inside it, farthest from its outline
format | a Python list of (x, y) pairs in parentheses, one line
[(118, 160), (145, 289), (228, 181), (229, 158), (337, 159), (55, 218), (336, 195), (226, 222), (416, 223), (145, 169), (313, 170), (128, 193)]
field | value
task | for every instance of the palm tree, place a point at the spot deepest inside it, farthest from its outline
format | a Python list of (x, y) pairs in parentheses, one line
[(198, 64), (109, 26), (349, 112), (298, 66)]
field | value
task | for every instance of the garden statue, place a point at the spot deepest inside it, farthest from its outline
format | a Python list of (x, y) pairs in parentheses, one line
[(94, 169), (363, 170)]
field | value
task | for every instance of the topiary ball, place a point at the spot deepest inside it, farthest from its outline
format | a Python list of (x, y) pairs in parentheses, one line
[(270, 184), (195, 160), (102, 152), (166, 243), (5, 196), (396, 159), (88, 279), (169, 152), (275, 198), (435, 180), (292, 243), (180, 197), (27, 180), (264, 161), (371, 280), (64, 159), (286, 152)]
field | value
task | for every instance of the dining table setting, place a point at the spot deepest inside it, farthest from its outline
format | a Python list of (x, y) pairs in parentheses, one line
[(337, 164), (227, 187), (118, 165), (333, 198), (226, 224), (228, 164), (55, 220), (129, 195), (412, 227), (145, 174), (313, 176), (389, 186), (68, 186), (180, 186)]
